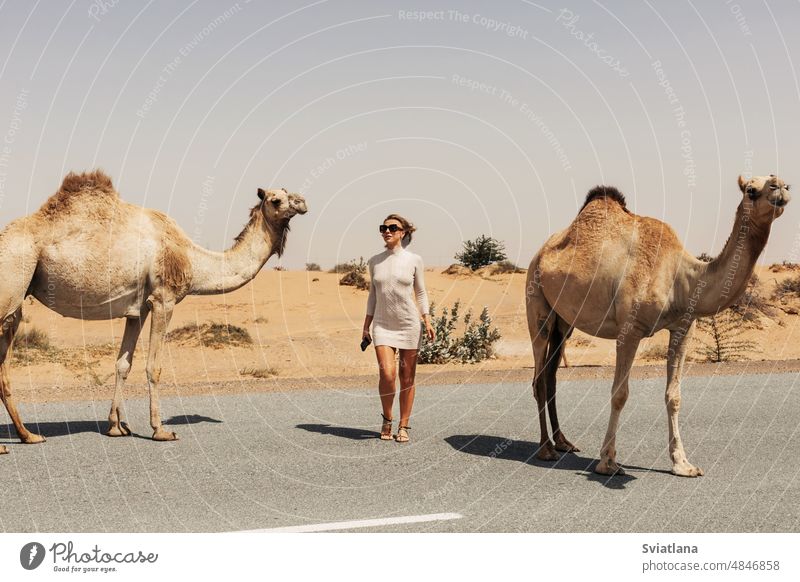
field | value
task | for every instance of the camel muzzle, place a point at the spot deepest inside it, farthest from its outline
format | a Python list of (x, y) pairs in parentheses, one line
[(780, 201)]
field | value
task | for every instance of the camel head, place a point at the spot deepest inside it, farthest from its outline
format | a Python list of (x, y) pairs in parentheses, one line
[(278, 206), (766, 196)]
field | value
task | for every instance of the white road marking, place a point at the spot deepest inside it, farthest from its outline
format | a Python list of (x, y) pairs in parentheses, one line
[(339, 525)]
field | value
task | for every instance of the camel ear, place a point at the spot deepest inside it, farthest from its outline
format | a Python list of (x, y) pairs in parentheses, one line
[(742, 183), (261, 193)]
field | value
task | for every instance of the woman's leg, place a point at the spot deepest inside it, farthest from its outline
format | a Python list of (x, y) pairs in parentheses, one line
[(388, 373), (408, 371)]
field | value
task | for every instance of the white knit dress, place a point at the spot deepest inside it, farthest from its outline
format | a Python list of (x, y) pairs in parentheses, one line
[(397, 298)]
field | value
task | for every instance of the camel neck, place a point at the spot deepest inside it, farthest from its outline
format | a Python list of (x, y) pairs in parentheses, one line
[(725, 279), (223, 272)]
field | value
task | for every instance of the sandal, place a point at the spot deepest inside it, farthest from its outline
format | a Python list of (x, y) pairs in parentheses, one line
[(386, 429), (402, 434)]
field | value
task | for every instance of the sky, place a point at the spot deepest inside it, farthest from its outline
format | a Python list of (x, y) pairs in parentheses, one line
[(468, 118)]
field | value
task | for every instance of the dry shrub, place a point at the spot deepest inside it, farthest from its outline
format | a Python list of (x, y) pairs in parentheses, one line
[(752, 304), (789, 288), (354, 274), (210, 335), (456, 269), (784, 266), (504, 268), (267, 372)]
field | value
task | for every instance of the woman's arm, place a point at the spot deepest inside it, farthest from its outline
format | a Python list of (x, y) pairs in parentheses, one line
[(370, 303), (422, 297)]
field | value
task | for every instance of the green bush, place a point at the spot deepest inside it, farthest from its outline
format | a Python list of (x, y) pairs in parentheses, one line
[(442, 348), (473, 346), (480, 252), (313, 267)]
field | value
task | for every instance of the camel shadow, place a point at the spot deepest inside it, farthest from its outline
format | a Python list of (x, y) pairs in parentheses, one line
[(190, 419), (356, 434), (72, 427), (54, 429), (525, 452)]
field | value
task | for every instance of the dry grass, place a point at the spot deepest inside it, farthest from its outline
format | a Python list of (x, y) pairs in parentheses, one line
[(32, 339), (654, 352), (580, 341), (211, 335), (784, 266), (32, 346), (266, 372)]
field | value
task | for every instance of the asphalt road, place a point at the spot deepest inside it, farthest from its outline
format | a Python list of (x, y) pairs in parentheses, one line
[(294, 458)]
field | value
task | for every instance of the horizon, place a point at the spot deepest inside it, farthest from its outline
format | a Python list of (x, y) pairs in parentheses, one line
[(467, 118)]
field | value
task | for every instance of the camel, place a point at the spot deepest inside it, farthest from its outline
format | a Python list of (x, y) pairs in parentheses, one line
[(616, 275), (87, 254)]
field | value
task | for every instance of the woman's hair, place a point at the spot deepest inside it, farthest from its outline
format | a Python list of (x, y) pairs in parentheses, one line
[(408, 228)]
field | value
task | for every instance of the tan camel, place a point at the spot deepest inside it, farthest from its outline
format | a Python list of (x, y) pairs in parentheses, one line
[(89, 255), (616, 275)]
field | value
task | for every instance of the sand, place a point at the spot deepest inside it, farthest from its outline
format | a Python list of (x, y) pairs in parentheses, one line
[(305, 329)]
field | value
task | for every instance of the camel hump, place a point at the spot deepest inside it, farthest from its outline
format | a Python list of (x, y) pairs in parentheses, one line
[(96, 181), (87, 187), (605, 193)]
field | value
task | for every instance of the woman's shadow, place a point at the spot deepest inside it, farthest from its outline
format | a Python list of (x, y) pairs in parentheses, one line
[(525, 452), (356, 434)]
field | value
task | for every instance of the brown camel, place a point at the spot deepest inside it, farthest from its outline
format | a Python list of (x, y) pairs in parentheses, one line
[(88, 254), (616, 275)]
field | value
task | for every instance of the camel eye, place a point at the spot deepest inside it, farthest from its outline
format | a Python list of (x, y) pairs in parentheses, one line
[(276, 201)]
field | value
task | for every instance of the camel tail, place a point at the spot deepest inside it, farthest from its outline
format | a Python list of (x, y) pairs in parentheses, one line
[(605, 193), (555, 349)]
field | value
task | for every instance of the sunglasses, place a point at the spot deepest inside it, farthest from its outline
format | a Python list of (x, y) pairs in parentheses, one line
[(391, 228)]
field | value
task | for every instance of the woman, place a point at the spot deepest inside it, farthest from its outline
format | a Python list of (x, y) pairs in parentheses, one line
[(394, 310)]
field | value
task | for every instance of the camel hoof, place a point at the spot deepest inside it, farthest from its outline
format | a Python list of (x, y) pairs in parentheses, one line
[(547, 452), (565, 446), (33, 439), (162, 435), (687, 470), (3, 450), (611, 469), (118, 430)]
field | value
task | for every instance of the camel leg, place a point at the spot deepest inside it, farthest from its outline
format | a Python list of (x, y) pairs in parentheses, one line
[(626, 351), (159, 321), (554, 354), (540, 321), (10, 325), (133, 327), (678, 344)]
